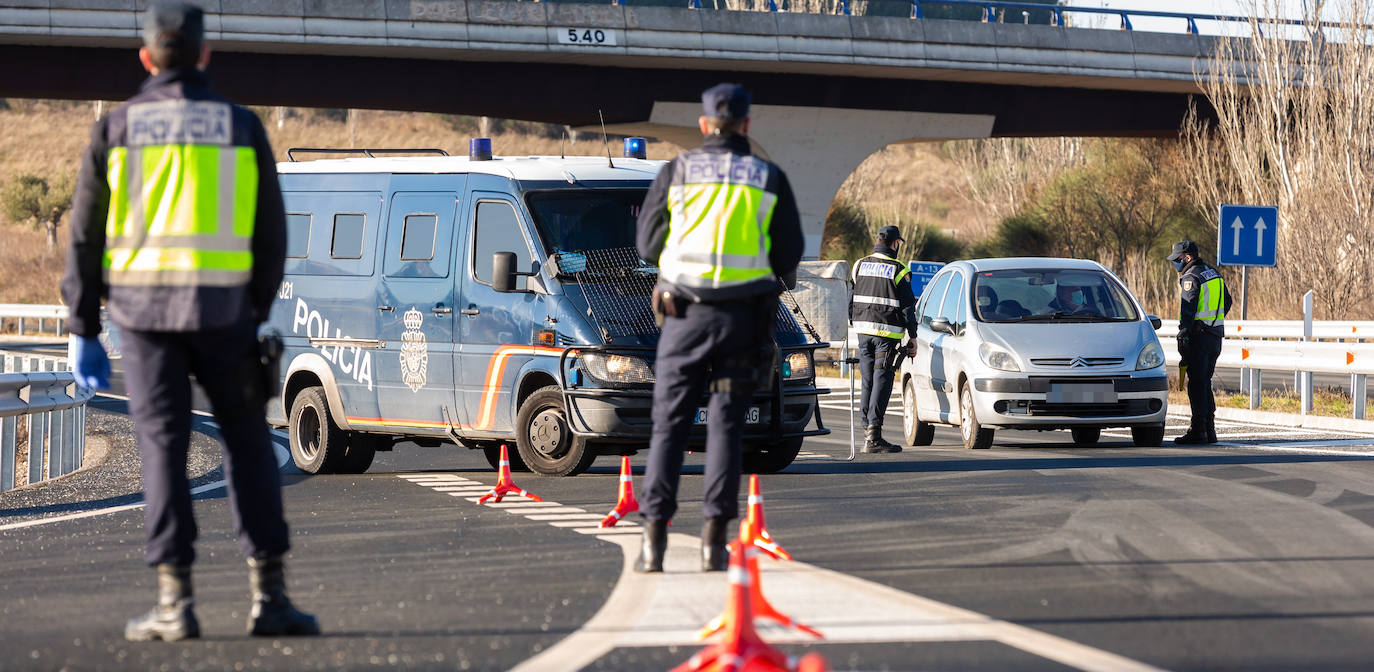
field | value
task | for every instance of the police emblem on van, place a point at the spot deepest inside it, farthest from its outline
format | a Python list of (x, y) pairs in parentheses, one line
[(414, 351)]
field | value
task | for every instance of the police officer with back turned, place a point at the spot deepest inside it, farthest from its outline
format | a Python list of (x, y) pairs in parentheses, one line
[(177, 223), (882, 309), (723, 226), (1204, 304)]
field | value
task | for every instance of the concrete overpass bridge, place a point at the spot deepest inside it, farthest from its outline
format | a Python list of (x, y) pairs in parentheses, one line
[(829, 90)]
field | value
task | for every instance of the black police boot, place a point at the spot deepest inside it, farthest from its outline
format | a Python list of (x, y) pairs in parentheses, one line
[(714, 556), (654, 545), (1193, 437), (887, 446), (172, 619), (1211, 430), (272, 614)]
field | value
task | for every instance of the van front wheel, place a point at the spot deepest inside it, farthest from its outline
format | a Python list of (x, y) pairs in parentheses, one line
[(546, 443), (317, 443)]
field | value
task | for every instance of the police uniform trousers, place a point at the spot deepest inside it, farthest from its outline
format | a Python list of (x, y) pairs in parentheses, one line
[(876, 358), (710, 342), (157, 366), (1204, 347)]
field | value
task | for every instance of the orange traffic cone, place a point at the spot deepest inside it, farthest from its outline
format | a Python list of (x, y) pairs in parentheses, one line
[(757, 602), (759, 536), (627, 503), (504, 484), (741, 648)]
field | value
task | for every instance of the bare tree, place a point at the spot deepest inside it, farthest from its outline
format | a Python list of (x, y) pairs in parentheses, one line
[(1295, 128)]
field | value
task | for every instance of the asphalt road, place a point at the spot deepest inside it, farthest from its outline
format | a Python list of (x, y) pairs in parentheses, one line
[(1257, 554)]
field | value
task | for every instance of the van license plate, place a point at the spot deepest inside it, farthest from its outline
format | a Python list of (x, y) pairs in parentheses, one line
[(1082, 393), (750, 418)]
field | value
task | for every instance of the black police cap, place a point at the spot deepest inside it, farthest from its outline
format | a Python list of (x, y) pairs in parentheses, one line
[(173, 24), (1181, 248), (890, 234), (726, 101)]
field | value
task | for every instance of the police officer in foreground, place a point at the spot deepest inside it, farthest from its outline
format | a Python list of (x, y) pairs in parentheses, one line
[(1204, 304), (723, 226), (177, 223), (882, 309)]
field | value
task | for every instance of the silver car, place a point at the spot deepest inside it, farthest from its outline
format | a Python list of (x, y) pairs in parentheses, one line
[(1033, 343)]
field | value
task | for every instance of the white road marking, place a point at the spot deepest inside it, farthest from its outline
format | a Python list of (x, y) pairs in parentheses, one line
[(282, 456), (563, 516)]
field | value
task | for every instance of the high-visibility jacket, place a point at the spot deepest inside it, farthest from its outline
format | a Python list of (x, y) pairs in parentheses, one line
[(721, 222), (1204, 299), (877, 307), (178, 204)]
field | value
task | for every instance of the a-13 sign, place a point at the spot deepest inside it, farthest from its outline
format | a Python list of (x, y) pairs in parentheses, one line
[(1247, 235)]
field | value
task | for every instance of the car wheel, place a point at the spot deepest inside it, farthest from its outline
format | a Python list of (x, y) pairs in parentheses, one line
[(545, 441), (1149, 436), (770, 458), (975, 436), (1086, 436), (492, 451), (317, 443), (361, 449), (915, 432)]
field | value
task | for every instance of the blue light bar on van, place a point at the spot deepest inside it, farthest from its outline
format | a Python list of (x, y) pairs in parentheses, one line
[(479, 149), (636, 148)]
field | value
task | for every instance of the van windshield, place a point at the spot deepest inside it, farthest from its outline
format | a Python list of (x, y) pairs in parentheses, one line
[(582, 220), (1052, 295)]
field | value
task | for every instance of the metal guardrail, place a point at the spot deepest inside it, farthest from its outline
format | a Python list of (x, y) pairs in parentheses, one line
[(24, 315), (1057, 12), (39, 390)]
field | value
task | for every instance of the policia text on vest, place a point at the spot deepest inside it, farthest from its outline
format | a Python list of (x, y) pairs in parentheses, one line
[(882, 310)]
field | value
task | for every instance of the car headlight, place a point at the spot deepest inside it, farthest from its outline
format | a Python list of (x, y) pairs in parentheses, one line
[(1151, 356), (617, 368), (797, 366), (997, 358)]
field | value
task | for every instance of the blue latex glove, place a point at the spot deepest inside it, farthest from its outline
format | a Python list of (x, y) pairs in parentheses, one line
[(88, 362)]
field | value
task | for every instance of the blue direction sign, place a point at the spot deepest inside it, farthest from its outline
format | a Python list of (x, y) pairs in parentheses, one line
[(1247, 235), (921, 274)]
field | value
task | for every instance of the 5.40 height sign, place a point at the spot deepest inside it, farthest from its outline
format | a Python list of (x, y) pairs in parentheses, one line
[(587, 37)]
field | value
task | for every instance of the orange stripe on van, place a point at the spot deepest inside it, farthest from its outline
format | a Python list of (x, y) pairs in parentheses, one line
[(496, 370)]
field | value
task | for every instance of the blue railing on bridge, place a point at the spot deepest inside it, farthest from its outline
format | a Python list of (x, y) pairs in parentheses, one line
[(994, 12)]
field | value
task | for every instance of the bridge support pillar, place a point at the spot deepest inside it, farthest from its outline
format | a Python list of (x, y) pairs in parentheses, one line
[(819, 147)]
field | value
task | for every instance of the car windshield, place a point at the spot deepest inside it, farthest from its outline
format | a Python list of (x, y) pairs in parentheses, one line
[(581, 220), (1052, 295)]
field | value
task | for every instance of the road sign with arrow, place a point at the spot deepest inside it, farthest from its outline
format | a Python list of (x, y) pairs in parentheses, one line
[(1247, 235)]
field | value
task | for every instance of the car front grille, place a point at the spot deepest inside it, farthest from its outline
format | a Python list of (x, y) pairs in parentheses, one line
[(1077, 362), (1127, 407)]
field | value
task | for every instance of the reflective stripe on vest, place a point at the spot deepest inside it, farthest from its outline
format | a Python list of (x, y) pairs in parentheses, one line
[(879, 329), (182, 199), (877, 310), (719, 216), (1209, 302)]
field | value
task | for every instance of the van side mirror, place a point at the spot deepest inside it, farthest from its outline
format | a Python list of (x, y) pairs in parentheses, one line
[(503, 273), (1155, 322), (942, 325)]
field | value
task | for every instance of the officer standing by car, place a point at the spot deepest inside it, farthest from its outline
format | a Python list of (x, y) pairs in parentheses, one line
[(882, 309), (177, 222), (1204, 304), (722, 226)]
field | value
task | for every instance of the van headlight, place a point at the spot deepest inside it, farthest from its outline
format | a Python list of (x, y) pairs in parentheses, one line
[(617, 368), (797, 366), (1151, 356), (997, 358)]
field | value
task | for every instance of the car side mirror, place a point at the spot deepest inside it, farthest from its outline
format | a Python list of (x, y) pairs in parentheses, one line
[(942, 325), (1155, 322), (503, 273)]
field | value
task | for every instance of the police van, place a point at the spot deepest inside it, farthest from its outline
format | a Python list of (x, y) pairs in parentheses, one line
[(488, 300)]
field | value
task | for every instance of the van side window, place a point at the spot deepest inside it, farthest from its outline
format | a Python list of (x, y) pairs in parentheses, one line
[(497, 229), (298, 235), (348, 236), (932, 298), (417, 242)]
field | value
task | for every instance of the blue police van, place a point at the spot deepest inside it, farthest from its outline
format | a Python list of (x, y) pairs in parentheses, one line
[(488, 300)]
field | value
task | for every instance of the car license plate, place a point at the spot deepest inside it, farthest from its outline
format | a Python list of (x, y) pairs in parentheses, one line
[(750, 418), (1082, 393)]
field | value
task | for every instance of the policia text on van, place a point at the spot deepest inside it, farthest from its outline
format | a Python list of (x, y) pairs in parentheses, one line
[(485, 300)]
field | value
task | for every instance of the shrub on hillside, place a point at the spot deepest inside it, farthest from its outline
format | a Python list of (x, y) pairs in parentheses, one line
[(29, 198)]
